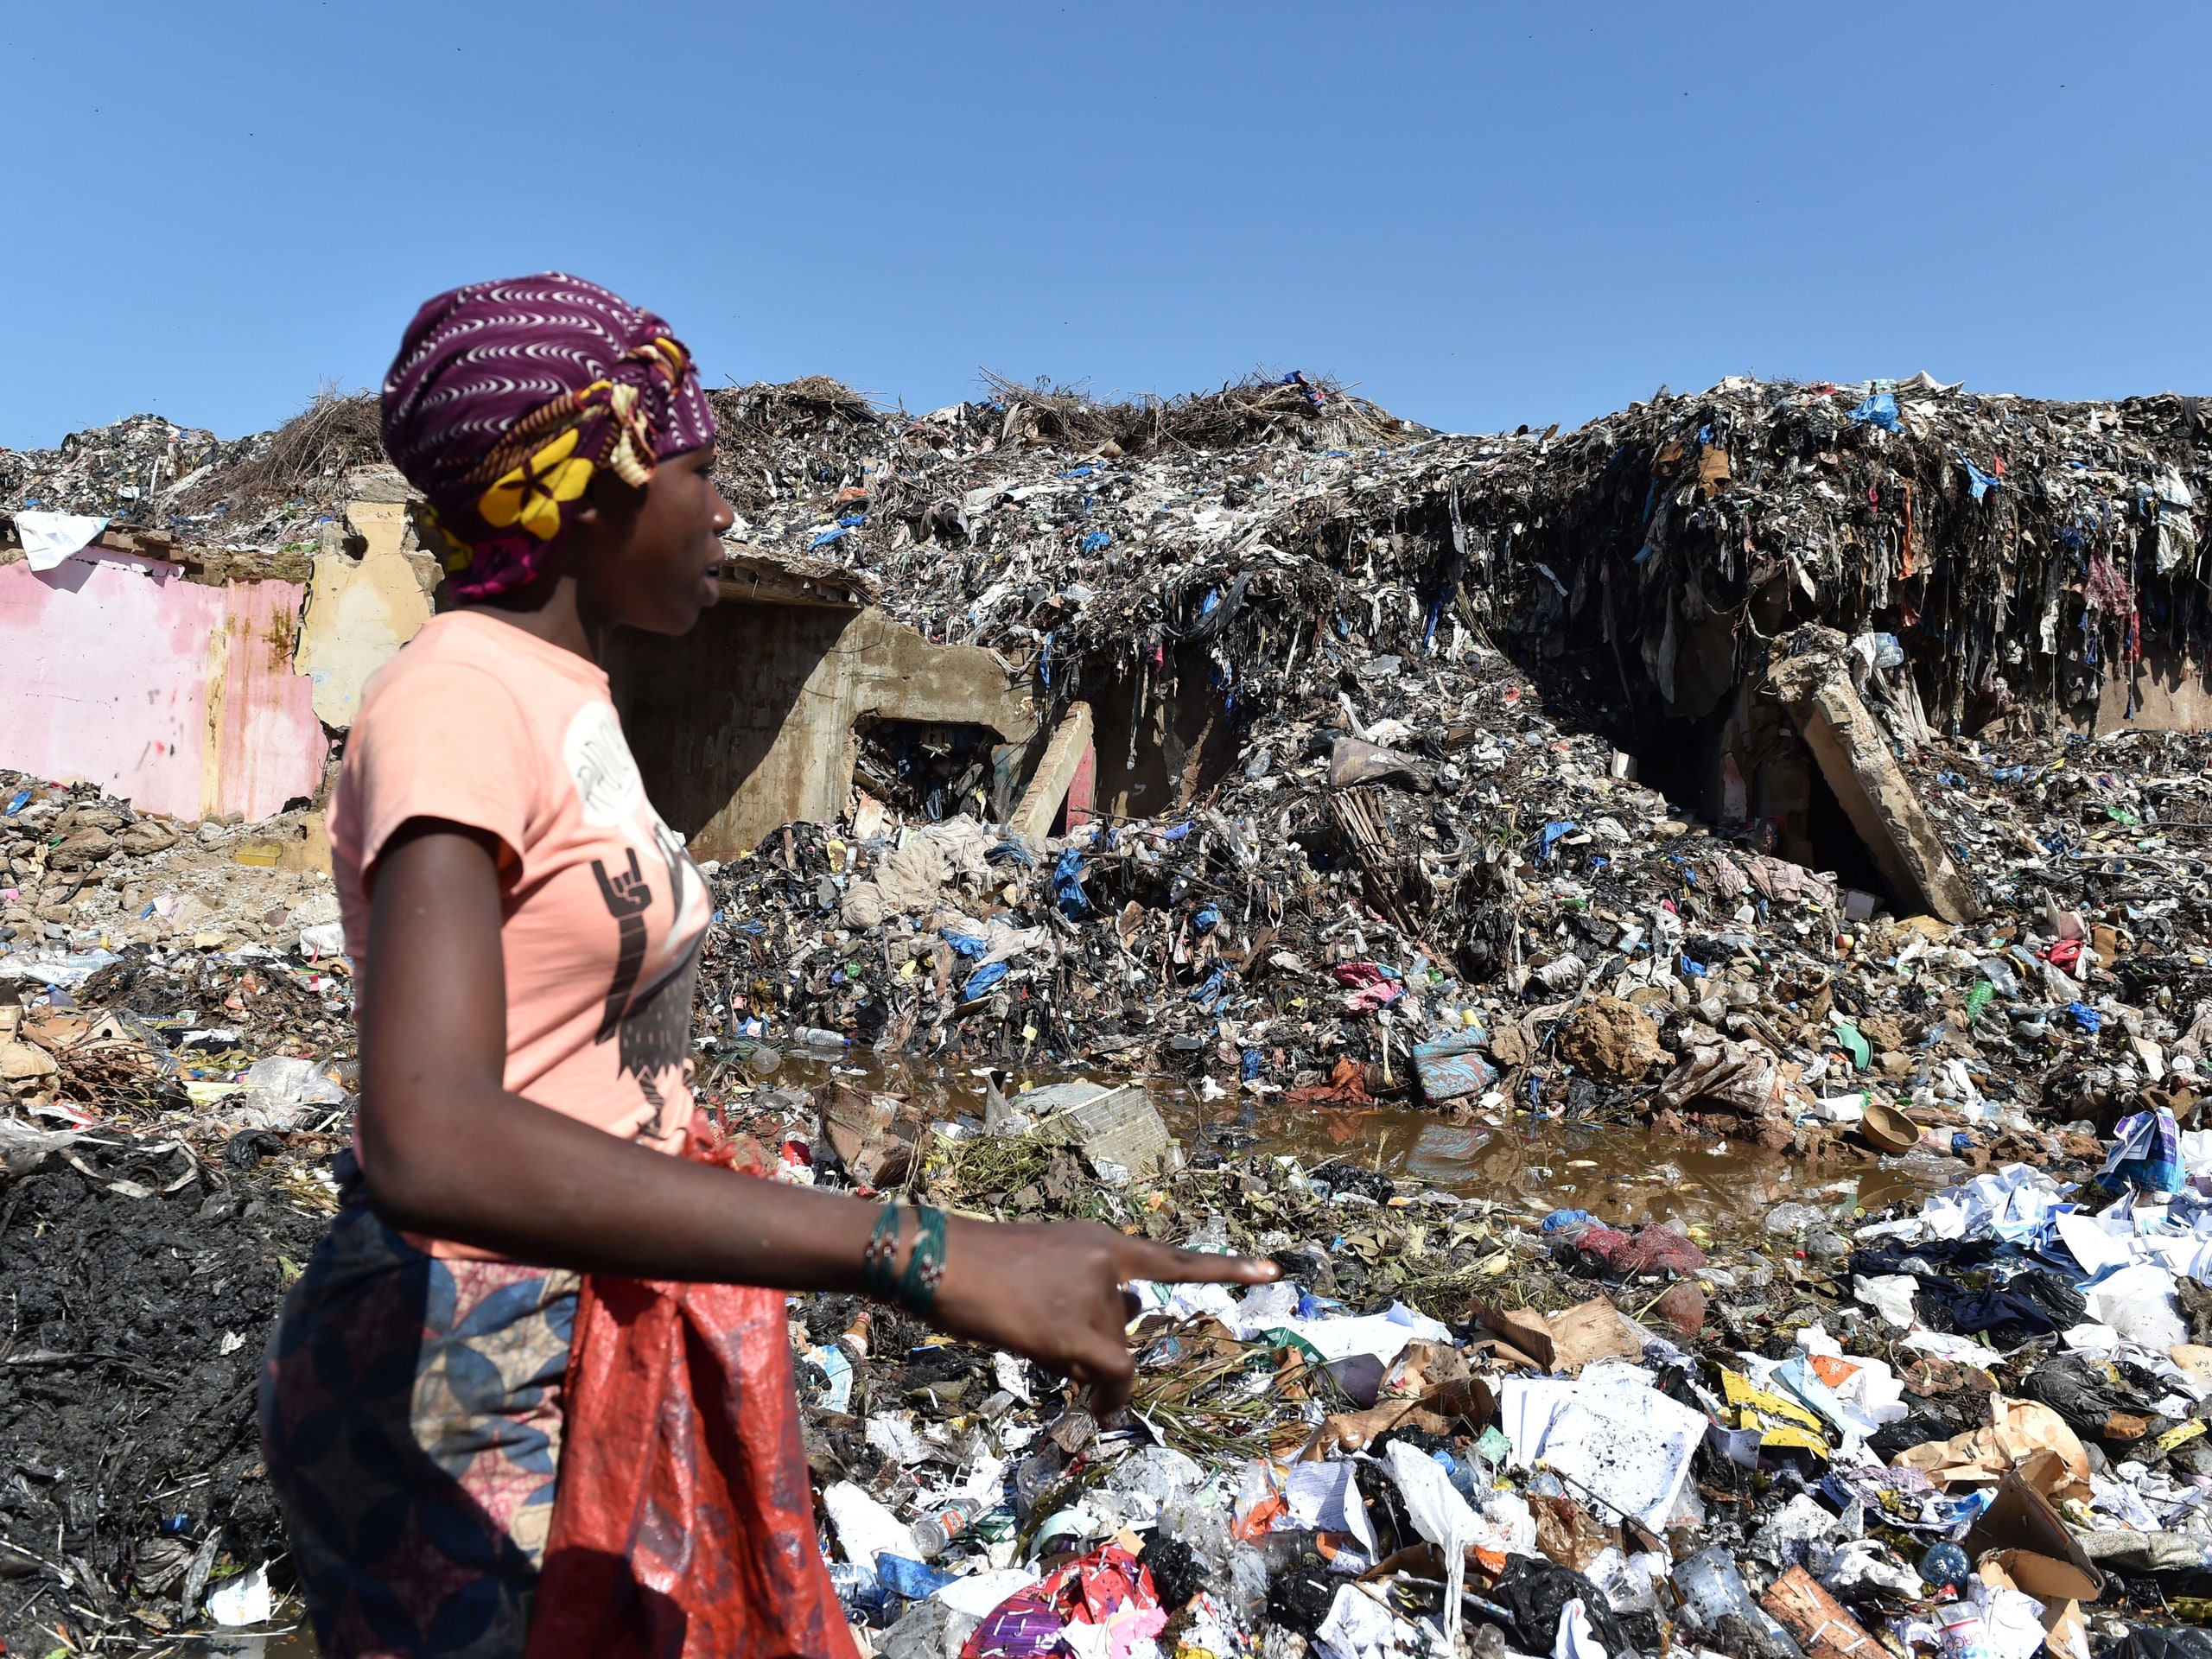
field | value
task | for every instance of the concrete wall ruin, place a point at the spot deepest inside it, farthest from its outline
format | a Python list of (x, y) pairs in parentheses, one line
[(177, 694), (198, 699), (746, 722), (362, 608)]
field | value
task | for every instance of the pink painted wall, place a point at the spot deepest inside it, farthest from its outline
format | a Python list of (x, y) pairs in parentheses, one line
[(104, 676)]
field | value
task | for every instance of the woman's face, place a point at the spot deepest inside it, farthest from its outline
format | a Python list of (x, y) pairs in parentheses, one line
[(651, 556)]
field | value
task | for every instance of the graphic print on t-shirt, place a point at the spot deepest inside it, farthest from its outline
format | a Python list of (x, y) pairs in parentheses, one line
[(608, 783), (656, 1030), (648, 1006), (627, 898)]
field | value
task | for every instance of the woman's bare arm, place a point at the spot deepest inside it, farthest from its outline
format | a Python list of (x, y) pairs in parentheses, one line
[(447, 1151)]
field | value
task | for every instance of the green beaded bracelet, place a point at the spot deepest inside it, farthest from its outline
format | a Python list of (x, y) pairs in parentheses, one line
[(918, 1291), (877, 1281)]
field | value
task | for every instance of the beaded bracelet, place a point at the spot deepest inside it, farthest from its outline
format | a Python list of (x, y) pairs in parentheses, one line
[(918, 1291), (876, 1279)]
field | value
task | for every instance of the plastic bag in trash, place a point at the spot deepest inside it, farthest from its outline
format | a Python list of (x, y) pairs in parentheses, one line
[(282, 1093), (244, 1599), (1537, 1591)]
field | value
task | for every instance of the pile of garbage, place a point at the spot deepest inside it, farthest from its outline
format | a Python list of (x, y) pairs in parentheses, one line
[(176, 1070), (243, 508), (2019, 552), (127, 472), (1563, 943), (1974, 1425), (143, 1272), (1395, 804)]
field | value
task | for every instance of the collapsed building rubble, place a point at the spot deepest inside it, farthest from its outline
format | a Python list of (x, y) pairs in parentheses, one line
[(1752, 769)]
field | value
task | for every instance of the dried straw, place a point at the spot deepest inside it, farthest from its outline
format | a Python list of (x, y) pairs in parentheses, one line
[(333, 435)]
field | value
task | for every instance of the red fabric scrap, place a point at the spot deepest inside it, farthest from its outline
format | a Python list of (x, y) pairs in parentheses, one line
[(1650, 1248), (683, 1526), (1347, 1086)]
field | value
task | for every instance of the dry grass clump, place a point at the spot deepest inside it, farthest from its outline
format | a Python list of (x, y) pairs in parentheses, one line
[(809, 400), (333, 435)]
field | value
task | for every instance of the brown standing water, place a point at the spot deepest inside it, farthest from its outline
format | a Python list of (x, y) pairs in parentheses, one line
[(1530, 1166)]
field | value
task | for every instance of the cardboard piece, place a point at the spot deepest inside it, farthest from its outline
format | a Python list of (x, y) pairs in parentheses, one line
[(2065, 1632), (1565, 1342), (2024, 1435), (2023, 1536), (874, 1135)]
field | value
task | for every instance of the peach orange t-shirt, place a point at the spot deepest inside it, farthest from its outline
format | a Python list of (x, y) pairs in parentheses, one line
[(602, 911)]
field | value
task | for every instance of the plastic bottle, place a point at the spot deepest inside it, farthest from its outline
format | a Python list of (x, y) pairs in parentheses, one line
[(1463, 1477), (858, 1591), (1710, 1588), (1945, 1568), (933, 1533), (815, 1037), (1034, 1476), (1211, 1236), (1248, 1584)]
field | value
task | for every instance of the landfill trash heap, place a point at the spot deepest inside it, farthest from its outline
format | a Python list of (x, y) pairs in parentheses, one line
[(1367, 827), (1972, 1425), (1362, 826)]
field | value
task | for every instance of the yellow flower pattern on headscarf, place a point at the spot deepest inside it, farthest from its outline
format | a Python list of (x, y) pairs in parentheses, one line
[(531, 494)]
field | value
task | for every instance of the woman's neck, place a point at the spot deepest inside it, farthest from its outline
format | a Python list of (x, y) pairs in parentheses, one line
[(552, 609)]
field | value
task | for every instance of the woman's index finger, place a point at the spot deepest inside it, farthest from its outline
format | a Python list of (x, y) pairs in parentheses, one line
[(1166, 1264)]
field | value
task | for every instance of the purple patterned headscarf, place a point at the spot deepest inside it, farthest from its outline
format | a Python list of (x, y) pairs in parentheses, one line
[(507, 397)]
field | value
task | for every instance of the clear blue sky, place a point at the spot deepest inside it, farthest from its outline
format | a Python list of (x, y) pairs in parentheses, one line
[(1480, 215)]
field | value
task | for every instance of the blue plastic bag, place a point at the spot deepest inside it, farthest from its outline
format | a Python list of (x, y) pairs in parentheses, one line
[(1067, 884), (982, 979), (1879, 410), (914, 1580), (1977, 480)]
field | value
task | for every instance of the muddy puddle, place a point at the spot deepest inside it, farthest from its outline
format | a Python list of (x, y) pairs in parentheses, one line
[(1621, 1175)]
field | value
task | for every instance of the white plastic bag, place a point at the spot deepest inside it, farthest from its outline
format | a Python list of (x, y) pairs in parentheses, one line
[(865, 1529), (244, 1599), (1439, 1514)]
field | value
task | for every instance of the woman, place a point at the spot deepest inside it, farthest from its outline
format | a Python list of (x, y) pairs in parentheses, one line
[(526, 932)]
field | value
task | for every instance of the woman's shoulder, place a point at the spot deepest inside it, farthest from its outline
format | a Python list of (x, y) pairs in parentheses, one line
[(460, 663)]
